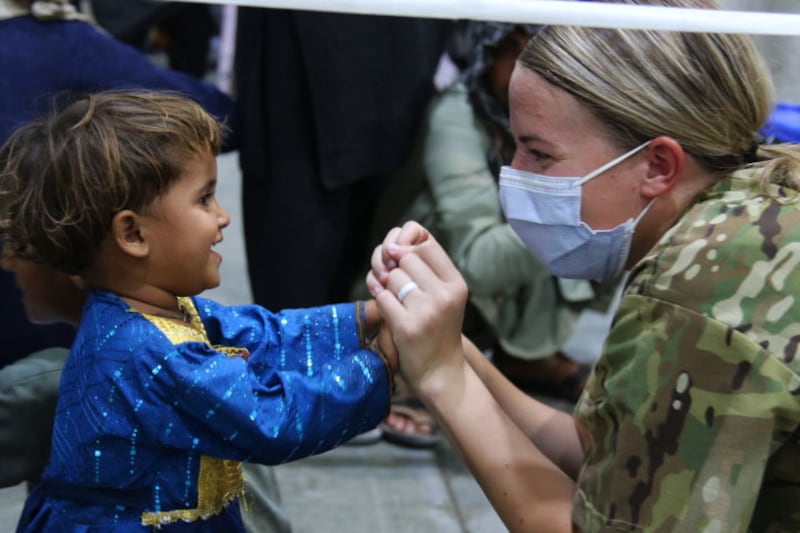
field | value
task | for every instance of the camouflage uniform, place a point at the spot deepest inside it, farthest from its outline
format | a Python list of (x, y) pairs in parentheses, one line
[(693, 410)]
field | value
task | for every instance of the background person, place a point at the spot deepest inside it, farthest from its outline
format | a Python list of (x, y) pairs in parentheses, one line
[(518, 312), (330, 103), (517, 309)]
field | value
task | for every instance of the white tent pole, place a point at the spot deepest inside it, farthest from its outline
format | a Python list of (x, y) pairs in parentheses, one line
[(555, 12), (227, 47)]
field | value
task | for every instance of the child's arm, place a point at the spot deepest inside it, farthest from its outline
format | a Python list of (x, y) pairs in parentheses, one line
[(304, 384)]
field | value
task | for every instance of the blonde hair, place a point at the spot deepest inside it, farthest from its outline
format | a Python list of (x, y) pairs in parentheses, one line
[(64, 177), (711, 92)]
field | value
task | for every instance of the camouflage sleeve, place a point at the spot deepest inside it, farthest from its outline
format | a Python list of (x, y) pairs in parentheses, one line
[(684, 415)]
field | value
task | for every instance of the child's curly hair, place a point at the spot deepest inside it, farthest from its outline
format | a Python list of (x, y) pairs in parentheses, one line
[(64, 177)]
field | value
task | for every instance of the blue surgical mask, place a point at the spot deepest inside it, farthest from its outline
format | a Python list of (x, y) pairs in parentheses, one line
[(546, 213)]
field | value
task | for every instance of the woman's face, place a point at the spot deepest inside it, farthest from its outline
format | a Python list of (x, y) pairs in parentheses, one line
[(556, 135)]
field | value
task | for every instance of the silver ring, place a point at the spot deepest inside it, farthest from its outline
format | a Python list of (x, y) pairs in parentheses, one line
[(408, 287)]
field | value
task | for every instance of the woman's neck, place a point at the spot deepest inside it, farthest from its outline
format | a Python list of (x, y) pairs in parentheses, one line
[(667, 209)]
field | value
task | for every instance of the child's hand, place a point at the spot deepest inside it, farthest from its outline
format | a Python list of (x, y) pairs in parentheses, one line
[(387, 348), (372, 320), (377, 337)]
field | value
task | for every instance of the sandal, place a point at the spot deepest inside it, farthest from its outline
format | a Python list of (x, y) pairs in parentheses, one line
[(409, 424), (555, 376), (370, 436)]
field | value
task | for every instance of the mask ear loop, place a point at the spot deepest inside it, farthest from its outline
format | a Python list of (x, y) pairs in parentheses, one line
[(610, 164), (633, 224), (641, 215)]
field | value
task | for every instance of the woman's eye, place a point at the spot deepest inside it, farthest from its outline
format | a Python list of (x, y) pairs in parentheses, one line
[(539, 156), (206, 199)]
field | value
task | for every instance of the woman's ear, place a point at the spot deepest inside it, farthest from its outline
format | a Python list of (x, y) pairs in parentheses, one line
[(126, 232), (665, 158)]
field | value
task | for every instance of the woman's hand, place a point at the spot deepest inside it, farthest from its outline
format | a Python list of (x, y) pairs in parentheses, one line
[(426, 321), (385, 257)]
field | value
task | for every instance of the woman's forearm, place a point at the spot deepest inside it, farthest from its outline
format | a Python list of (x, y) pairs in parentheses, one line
[(528, 491), (551, 430)]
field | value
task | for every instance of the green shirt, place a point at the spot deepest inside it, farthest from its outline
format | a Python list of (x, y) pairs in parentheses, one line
[(692, 412)]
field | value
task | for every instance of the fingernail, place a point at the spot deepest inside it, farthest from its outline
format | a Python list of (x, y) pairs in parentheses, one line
[(374, 288), (390, 264), (392, 248)]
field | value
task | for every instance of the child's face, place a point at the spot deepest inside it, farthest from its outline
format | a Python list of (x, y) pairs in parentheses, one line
[(48, 295), (185, 223)]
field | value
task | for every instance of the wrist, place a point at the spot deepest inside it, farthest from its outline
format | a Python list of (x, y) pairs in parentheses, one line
[(368, 320), (389, 362), (438, 386)]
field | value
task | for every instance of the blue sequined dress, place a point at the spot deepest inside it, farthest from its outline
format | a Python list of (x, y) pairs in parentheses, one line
[(155, 417)]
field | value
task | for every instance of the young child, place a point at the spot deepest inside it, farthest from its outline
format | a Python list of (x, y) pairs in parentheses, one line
[(165, 393)]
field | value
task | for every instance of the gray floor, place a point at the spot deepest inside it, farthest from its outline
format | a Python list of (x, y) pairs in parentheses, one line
[(375, 488)]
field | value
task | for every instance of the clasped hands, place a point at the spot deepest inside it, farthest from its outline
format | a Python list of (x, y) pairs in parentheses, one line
[(421, 297)]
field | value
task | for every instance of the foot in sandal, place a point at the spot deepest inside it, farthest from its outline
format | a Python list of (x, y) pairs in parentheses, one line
[(409, 424), (555, 376)]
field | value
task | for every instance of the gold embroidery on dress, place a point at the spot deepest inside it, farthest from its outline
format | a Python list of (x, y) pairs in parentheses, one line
[(219, 481)]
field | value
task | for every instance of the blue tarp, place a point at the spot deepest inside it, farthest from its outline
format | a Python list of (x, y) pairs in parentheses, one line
[(784, 123)]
